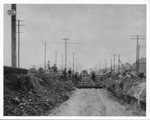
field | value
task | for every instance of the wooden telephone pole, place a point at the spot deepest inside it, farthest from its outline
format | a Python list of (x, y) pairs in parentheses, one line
[(62, 62), (73, 61), (13, 38), (76, 64), (45, 56), (66, 39), (119, 63), (137, 37), (66, 51), (114, 62), (111, 65)]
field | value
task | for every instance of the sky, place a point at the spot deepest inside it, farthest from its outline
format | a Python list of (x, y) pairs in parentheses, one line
[(102, 31)]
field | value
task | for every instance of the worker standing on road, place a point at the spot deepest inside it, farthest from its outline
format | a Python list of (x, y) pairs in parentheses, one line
[(93, 76), (55, 69), (48, 65), (65, 74), (69, 73)]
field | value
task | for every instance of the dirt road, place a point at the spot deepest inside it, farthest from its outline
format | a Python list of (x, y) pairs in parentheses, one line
[(91, 102)]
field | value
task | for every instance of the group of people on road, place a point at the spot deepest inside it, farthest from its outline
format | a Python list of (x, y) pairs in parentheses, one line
[(54, 68), (70, 74)]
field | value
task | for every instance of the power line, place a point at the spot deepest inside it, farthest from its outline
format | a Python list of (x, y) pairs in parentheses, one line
[(51, 20), (53, 12), (49, 11), (51, 15)]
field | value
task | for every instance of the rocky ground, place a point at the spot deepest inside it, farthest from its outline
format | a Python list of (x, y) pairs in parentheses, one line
[(129, 90), (34, 94), (102, 102)]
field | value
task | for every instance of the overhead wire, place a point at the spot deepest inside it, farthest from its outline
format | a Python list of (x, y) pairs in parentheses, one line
[(49, 11), (53, 12), (52, 17), (50, 20)]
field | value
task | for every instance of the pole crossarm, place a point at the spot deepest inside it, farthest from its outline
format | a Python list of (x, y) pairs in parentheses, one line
[(74, 43), (66, 38)]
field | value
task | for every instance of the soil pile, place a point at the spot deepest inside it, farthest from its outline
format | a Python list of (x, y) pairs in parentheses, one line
[(130, 89), (34, 94)]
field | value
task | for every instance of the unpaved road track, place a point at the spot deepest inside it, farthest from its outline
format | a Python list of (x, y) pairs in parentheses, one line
[(91, 102)]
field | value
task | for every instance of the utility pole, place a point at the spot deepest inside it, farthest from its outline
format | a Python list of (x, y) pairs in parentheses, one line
[(111, 65), (76, 63), (66, 39), (19, 40), (68, 64), (73, 61), (62, 63), (119, 63), (100, 67), (13, 37), (45, 47), (137, 37), (56, 57), (66, 57), (138, 56), (45, 56), (106, 65), (66, 51), (114, 62)]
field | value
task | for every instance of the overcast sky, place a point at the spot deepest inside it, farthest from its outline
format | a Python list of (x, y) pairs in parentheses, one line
[(101, 30)]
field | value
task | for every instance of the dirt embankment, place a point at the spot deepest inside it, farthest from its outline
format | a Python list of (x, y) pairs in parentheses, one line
[(131, 90), (33, 94)]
